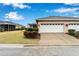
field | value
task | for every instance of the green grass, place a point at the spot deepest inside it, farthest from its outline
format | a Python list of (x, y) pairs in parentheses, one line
[(15, 37)]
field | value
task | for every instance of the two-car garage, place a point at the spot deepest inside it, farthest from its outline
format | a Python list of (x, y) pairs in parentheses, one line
[(54, 24), (57, 27)]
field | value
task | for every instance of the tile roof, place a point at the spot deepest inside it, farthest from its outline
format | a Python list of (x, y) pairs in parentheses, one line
[(58, 18)]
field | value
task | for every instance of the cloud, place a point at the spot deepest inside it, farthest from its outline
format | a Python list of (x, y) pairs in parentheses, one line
[(17, 5), (75, 15), (65, 10), (72, 4), (13, 16), (73, 12)]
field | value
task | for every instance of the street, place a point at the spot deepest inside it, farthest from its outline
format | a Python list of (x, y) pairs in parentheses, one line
[(41, 51)]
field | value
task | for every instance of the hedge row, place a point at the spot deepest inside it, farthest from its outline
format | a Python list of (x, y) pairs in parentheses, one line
[(33, 34), (32, 29), (73, 32)]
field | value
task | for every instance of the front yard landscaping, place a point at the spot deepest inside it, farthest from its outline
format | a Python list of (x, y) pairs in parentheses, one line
[(16, 37), (74, 33)]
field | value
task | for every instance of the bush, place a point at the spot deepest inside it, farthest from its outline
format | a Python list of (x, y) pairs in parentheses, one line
[(32, 29), (17, 29), (71, 32), (77, 34), (1, 30), (26, 29), (33, 34), (22, 28)]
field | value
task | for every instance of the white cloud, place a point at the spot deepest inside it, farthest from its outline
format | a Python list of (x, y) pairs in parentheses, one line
[(76, 16), (13, 16), (72, 4), (65, 10), (6, 3), (76, 13), (18, 5)]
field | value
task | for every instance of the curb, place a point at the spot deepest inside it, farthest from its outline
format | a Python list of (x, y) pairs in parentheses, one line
[(11, 45), (27, 45)]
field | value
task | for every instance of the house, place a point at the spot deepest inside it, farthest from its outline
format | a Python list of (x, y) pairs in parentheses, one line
[(19, 26), (32, 25), (57, 24), (7, 26)]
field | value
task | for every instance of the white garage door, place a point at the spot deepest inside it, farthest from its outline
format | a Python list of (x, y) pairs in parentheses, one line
[(51, 28), (74, 26)]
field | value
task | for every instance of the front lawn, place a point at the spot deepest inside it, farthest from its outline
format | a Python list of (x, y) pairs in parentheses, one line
[(15, 37)]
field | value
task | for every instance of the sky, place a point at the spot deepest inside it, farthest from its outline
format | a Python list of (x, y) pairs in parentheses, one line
[(25, 13)]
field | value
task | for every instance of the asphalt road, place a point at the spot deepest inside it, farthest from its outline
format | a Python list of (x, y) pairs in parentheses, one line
[(41, 51)]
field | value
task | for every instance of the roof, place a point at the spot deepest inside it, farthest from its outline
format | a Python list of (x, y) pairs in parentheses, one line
[(58, 18), (32, 24), (7, 22), (10, 23)]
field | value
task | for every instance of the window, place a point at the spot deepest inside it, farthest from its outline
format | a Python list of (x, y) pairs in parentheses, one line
[(47, 24), (61, 24), (41, 24), (50, 24), (74, 24), (58, 24)]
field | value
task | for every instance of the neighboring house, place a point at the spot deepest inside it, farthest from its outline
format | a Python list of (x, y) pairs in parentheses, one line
[(7, 26), (57, 24), (32, 25), (19, 26)]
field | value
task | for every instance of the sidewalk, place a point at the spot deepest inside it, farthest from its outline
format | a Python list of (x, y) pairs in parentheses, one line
[(11, 45)]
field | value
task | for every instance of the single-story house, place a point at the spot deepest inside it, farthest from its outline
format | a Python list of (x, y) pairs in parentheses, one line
[(57, 24), (8, 26), (32, 25)]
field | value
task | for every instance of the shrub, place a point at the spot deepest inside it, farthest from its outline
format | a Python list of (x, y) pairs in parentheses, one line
[(33, 34), (18, 29), (71, 32), (1, 30), (35, 29), (32, 29), (77, 34), (22, 28), (26, 29)]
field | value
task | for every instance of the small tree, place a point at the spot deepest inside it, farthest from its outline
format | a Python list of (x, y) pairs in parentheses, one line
[(77, 34), (71, 32)]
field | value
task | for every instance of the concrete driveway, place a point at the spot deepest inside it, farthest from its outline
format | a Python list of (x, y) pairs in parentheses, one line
[(58, 39)]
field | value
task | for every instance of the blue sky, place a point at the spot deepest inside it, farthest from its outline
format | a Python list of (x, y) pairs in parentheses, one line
[(25, 13)]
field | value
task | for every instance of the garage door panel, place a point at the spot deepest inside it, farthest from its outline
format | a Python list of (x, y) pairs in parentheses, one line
[(76, 27), (51, 28)]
